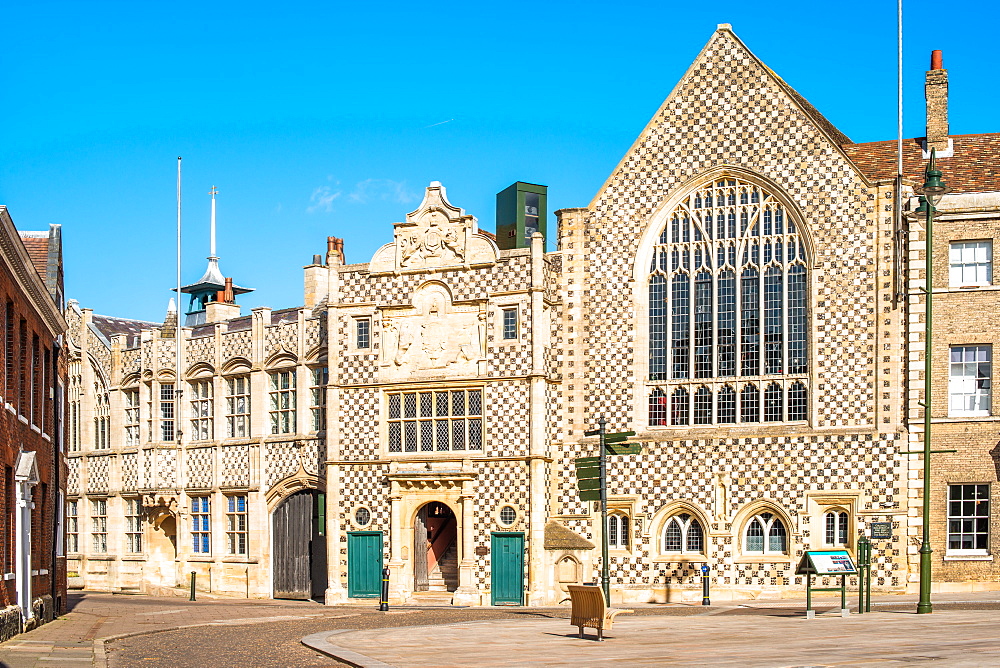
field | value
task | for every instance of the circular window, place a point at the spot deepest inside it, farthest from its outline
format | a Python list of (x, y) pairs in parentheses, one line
[(507, 515), (362, 516)]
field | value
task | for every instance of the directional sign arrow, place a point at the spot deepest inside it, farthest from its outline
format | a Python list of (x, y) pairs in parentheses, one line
[(590, 495), (589, 483), (619, 437), (624, 448), (587, 461), (588, 473)]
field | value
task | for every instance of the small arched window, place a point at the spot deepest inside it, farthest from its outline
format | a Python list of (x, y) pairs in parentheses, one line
[(835, 529), (618, 531), (683, 533), (727, 289), (765, 534)]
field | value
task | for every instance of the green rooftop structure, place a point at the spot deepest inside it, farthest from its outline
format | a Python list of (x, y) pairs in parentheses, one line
[(521, 211)]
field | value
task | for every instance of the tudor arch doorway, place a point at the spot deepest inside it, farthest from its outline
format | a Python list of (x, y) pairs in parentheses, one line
[(298, 561), (435, 548)]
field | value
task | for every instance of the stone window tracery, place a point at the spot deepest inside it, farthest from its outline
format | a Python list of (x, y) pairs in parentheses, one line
[(683, 533), (727, 310)]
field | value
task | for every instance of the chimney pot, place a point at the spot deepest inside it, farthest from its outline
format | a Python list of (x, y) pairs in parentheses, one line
[(936, 60)]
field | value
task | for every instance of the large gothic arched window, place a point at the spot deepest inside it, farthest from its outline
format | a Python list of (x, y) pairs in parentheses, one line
[(727, 310)]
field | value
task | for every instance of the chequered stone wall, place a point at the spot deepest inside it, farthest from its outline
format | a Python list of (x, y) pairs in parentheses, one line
[(507, 417), (498, 484), (363, 486)]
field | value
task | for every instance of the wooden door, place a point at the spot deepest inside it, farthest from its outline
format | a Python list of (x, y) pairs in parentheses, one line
[(507, 568), (299, 555), (364, 564)]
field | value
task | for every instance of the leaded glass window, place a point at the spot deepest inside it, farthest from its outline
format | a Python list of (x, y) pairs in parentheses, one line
[(435, 420), (727, 289), (765, 534), (683, 534)]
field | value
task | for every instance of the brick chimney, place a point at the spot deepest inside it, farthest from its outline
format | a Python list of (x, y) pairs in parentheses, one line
[(224, 307), (936, 93)]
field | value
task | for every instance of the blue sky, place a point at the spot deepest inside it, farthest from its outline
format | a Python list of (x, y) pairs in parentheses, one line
[(318, 119)]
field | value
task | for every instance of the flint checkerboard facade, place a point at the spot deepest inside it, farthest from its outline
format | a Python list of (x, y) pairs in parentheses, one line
[(426, 324)]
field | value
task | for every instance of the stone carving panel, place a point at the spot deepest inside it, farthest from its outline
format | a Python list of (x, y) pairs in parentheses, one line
[(437, 234), (434, 337)]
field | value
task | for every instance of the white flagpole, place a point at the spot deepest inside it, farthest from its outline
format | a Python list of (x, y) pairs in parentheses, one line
[(177, 332)]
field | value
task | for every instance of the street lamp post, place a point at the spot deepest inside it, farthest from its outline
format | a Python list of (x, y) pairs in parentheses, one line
[(933, 188)]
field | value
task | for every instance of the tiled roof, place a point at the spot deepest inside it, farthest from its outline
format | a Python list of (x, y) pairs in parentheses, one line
[(38, 251), (974, 167), (109, 325)]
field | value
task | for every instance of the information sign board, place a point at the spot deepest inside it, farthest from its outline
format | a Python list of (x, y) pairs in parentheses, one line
[(826, 562), (880, 530)]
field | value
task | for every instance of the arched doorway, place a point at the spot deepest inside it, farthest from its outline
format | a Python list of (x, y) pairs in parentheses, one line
[(435, 548), (299, 549), (162, 548)]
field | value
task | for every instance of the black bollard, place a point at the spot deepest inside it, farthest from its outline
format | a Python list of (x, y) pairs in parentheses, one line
[(193, 576), (383, 605), (704, 585)]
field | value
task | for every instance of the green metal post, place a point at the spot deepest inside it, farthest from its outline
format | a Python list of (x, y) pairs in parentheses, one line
[(932, 186), (864, 580), (605, 567), (809, 594), (193, 576), (843, 592)]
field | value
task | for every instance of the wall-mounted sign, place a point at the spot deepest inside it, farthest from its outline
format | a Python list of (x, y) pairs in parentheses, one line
[(482, 550), (880, 530)]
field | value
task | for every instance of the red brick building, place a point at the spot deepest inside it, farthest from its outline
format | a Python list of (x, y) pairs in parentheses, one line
[(32, 464)]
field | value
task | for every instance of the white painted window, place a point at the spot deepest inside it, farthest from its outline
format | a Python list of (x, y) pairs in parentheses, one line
[(765, 534), (201, 528), (201, 410), (283, 402), (971, 263), (510, 323), (238, 406), (167, 412), (618, 531), (835, 528), (236, 524), (99, 525), (318, 377), (684, 534), (969, 381), (363, 333), (133, 526), (131, 398), (968, 519), (72, 527)]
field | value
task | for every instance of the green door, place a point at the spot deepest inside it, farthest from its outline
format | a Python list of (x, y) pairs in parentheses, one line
[(364, 564), (507, 568)]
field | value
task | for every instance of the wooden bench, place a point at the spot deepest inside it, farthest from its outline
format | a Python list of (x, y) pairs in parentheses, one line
[(590, 609)]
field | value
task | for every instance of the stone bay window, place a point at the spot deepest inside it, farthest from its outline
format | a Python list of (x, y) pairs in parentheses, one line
[(727, 310)]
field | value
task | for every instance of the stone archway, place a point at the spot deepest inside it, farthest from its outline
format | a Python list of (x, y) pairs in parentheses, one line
[(435, 548), (161, 563)]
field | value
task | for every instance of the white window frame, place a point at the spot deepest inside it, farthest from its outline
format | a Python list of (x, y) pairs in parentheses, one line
[(201, 525), (238, 406), (99, 525), (362, 334), (237, 524), (133, 526), (510, 331), (767, 520), (980, 516), (282, 401), (167, 412), (73, 526), (130, 399), (970, 263), (684, 522), (619, 531), (319, 377), (836, 528), (201, 405), (970, 393)]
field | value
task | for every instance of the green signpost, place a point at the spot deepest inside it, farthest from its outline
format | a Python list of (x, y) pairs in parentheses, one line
[(592, 479)]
